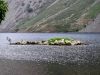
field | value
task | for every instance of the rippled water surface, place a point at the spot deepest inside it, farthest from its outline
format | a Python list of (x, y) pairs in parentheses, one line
[(50, 60)]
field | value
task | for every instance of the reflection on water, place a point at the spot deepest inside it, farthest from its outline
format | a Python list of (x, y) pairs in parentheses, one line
[(50, 60), (73, 69), (16, 67)]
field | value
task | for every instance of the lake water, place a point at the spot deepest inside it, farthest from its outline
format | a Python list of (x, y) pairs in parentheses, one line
[(50, 60)]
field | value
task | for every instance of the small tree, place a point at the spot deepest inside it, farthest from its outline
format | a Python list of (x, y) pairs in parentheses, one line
[(3, 10), (30, 10)]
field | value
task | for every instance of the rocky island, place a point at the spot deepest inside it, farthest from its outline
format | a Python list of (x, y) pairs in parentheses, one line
[(53, 41)]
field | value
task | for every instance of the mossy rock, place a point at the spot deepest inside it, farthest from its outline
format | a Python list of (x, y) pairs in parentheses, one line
[(60, 39)]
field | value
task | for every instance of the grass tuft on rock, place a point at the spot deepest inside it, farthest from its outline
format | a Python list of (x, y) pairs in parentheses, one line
[(59, 39)]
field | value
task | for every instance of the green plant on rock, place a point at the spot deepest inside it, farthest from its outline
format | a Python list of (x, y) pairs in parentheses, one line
[(58, 39)]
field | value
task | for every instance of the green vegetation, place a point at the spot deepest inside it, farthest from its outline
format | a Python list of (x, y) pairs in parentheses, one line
[(43, 8), (73, 13), (3, 10), (30, 10), (94, 11), (66, 21), (48, 12), (59, 39)]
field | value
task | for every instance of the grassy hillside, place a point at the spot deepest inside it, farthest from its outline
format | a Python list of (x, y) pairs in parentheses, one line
[(94, 11), (48, 12), (63, 16)]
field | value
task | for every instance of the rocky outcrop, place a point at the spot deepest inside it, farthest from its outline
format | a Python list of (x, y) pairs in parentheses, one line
[(56, 42)]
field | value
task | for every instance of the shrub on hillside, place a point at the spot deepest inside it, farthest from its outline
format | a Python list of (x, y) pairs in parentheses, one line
[(29, 10)]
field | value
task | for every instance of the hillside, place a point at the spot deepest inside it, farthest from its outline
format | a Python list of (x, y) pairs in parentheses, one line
[(51, 15), (94, 26)]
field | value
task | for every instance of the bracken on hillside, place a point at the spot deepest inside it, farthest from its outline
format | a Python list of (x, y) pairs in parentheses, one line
[(50, 15)]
